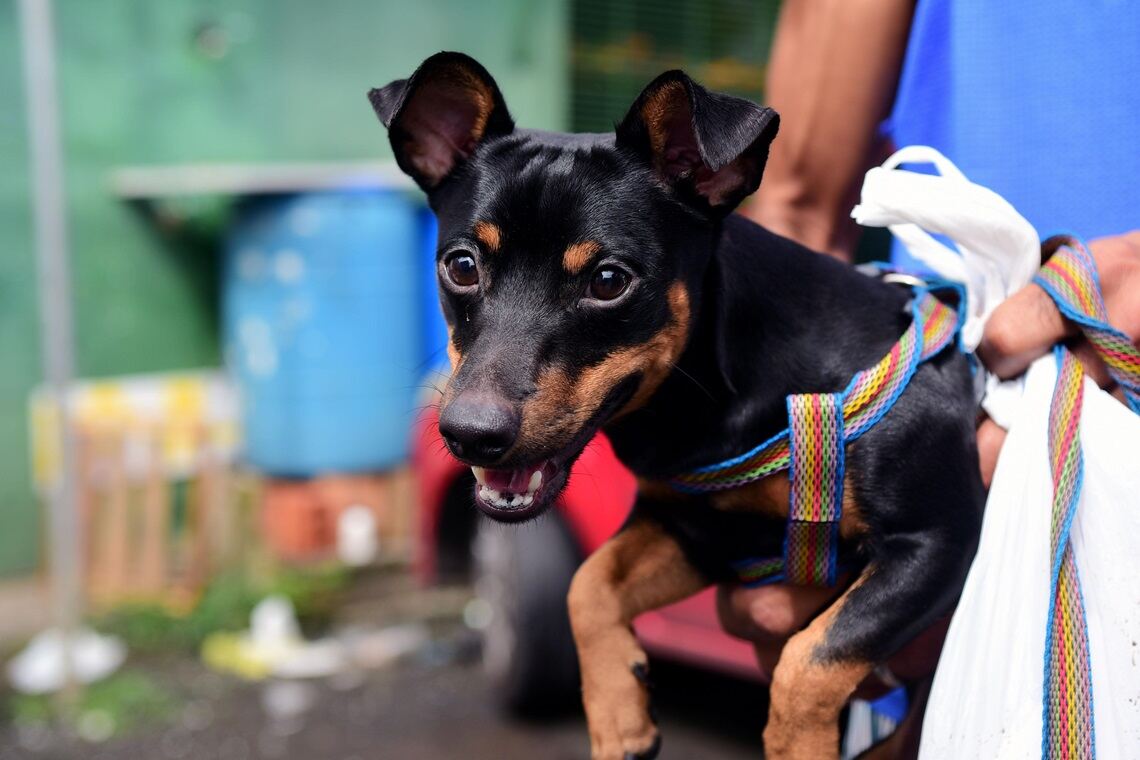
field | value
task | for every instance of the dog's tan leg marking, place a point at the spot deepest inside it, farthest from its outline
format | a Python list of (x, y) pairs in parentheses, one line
[(808, 693), (640, 569)]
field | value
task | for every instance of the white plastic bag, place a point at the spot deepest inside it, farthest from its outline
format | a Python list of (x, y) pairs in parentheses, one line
[(998, 250), (986, 699)]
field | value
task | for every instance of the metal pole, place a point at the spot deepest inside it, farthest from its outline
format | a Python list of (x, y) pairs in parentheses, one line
[(54, 283)]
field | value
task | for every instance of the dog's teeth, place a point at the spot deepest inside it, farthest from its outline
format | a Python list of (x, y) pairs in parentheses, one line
[(535, 482), (480, 475), (503, 500)]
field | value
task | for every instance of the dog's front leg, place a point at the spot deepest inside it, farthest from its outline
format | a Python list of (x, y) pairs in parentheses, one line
[(640, 569)]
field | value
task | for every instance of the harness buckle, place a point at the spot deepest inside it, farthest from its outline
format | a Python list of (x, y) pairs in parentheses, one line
[(902, 278)]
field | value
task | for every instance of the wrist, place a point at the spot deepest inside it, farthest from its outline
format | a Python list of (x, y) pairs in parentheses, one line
[(806, 223)]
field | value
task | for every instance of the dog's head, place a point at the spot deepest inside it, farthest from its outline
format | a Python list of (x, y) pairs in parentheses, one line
[(569, 265)]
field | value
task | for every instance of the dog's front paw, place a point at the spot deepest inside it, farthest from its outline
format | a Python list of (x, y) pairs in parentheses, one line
[(648, 754), (612, 744), (622, 726)]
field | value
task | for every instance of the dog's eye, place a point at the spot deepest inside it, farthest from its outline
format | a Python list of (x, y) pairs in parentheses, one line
[(461, 270), (608, 283)]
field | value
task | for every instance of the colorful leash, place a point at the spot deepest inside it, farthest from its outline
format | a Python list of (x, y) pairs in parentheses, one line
[(820, 427), (1070, 278)]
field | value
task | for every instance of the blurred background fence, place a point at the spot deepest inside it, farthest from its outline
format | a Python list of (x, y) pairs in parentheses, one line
[(179, 85), (256, 330), (206, 141)]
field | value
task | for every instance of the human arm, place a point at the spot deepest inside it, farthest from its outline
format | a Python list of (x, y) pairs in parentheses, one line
[(833, 73)]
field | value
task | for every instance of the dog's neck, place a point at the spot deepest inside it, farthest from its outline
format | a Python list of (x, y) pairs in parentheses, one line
[(774, 318)]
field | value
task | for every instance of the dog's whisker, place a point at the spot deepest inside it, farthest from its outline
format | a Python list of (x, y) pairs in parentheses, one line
[(694, 380)]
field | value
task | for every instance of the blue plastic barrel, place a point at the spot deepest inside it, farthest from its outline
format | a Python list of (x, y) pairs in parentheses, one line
[(323, 328), (434, 328)]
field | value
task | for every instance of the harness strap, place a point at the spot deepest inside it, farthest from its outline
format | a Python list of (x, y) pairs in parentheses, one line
[(869, 395), (811, 544), (813, 447), (1070, 278)]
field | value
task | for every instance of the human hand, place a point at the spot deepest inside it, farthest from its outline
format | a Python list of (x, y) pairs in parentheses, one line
[(769, 615), (1028, 324)]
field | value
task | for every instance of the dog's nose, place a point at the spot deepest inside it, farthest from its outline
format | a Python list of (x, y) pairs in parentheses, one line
[(479, 427)]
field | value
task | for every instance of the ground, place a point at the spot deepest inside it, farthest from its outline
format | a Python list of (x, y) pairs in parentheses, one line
[(433, 703)]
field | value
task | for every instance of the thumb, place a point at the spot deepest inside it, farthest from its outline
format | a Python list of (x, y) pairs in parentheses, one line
[(1024, 327)]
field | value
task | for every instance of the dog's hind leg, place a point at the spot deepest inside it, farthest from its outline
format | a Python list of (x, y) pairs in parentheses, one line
[(808, 692), (911, 584), (640, 569)]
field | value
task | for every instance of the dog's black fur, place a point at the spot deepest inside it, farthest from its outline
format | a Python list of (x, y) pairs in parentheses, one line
[(765, 318)]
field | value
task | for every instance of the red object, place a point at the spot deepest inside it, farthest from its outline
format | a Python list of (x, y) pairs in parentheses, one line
[(295, 522), (594, 504), (299, 517)]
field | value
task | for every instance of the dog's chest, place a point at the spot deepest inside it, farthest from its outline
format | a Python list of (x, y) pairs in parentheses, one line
[(720, 531), (770, 497)]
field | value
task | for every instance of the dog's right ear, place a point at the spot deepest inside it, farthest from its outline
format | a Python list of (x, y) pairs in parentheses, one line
[(439, 115)]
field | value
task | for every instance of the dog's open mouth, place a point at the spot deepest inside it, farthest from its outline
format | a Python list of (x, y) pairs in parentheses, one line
[(519, 493)]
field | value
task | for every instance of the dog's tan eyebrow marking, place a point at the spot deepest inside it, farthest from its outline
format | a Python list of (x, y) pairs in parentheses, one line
[(489, 235), (578, 255)]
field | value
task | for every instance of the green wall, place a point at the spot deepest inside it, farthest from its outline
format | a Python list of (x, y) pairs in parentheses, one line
[(179, 81), (19, 357)]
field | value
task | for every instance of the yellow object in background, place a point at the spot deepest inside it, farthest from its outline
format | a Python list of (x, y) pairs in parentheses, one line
[(182, 417), (232, 653)]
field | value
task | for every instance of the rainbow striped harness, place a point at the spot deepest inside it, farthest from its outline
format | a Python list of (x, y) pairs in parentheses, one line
[(813, 448)]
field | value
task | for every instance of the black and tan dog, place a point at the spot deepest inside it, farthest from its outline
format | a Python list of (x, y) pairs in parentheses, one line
[(598, 281)]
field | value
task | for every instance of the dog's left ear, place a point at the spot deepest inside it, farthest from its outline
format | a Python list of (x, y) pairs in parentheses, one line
[(710, 147)]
